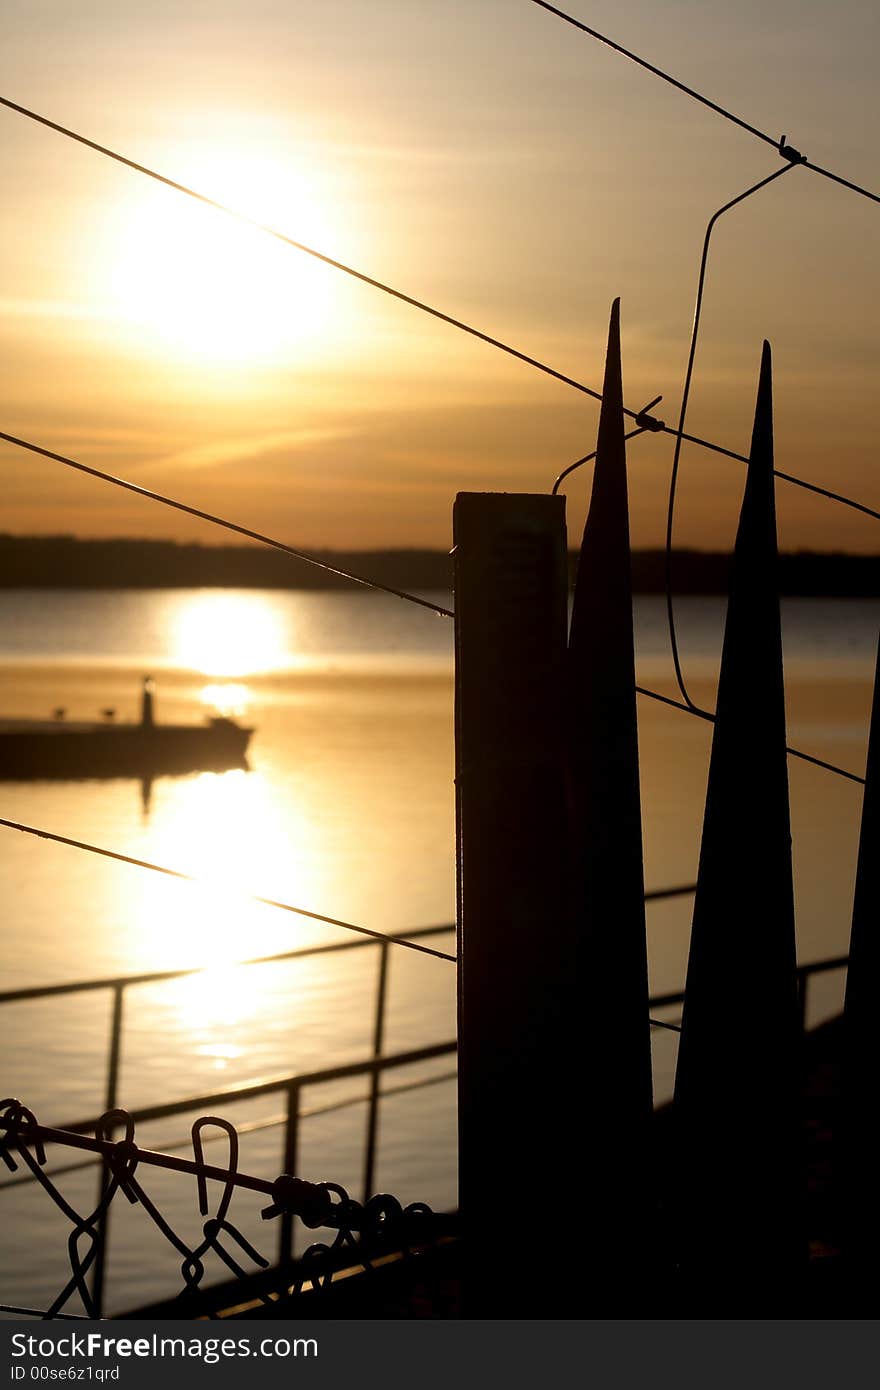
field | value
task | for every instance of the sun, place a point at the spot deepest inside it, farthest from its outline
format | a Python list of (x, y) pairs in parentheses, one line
[(195, 283)]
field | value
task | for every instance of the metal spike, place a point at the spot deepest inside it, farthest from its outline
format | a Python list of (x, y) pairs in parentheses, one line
[(737, 1081), (608, 875)]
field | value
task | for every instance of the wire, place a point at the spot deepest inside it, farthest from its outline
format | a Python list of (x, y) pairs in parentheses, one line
[(587, 458), (254, 1126), (780, 145), (641, 417), (221, 521), (658, 72), (398, 593), (107, 1149), (785, 477), (646, 423), (685, 395), (638, 416), (252, 897), (838, 178), (160, 977), (301, 246), (710, 719), (656, 895)]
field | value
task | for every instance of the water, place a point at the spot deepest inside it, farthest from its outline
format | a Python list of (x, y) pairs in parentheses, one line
[(347, 810)]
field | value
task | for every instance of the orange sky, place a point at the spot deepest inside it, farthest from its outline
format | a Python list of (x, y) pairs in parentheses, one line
[(481, 156)]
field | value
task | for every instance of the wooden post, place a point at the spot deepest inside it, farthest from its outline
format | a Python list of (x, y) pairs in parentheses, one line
[(515, 941), (608, 874), (736, 1091), (860, 1195)]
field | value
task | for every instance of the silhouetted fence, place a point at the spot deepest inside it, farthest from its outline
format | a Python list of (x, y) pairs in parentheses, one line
[(554, 1010), (552, 945), (553, 983)]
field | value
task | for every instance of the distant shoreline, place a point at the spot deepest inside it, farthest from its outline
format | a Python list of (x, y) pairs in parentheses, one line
[(65, 562)]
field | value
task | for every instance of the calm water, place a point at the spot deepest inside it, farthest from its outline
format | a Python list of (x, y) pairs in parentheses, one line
[(347, 809)]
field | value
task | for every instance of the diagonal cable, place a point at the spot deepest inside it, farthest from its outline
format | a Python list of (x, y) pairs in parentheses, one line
[(225, 524), (780, 145), (639, 417), (193, 878)]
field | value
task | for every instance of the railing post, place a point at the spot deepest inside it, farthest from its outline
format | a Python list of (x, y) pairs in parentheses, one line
[(290, 1160), (860, 1198), (608, 873), (737, 1085), (373, 1105), (111, 1100), (517, 1084)]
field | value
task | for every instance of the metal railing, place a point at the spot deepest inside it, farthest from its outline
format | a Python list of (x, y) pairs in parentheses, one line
[(293, 1087), (118, 985)]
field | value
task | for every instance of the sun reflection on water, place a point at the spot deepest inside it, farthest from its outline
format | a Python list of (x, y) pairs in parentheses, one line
[(228, 698), (229, 634), (237, 834)]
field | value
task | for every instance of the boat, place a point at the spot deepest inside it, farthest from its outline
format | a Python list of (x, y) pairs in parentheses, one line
[(62, 748)]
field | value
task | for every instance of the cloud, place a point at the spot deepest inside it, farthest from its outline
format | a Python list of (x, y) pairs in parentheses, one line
[(217, 452)]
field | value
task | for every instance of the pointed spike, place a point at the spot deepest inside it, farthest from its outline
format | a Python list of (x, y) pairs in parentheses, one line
[(736, 1084), (603, 575), (611, 413), (761, 452), (608, 875)]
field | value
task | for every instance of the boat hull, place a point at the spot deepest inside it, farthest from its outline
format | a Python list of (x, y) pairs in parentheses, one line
[(106, 750)]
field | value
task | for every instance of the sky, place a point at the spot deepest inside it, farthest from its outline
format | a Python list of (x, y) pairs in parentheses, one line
[(482, 156)]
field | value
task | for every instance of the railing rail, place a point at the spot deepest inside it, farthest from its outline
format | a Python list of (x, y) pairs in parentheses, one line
[(293, 1087), (152, 977)]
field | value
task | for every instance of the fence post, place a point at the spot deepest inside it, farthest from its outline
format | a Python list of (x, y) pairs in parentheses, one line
[(516, 959), (736, 1091), (860, 1199), (608, 872)]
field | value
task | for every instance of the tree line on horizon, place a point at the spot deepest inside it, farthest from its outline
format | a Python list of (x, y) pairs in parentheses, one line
[(69, 562)]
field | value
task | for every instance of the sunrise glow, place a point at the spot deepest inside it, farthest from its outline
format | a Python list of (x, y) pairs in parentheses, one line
[(213, 289)]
